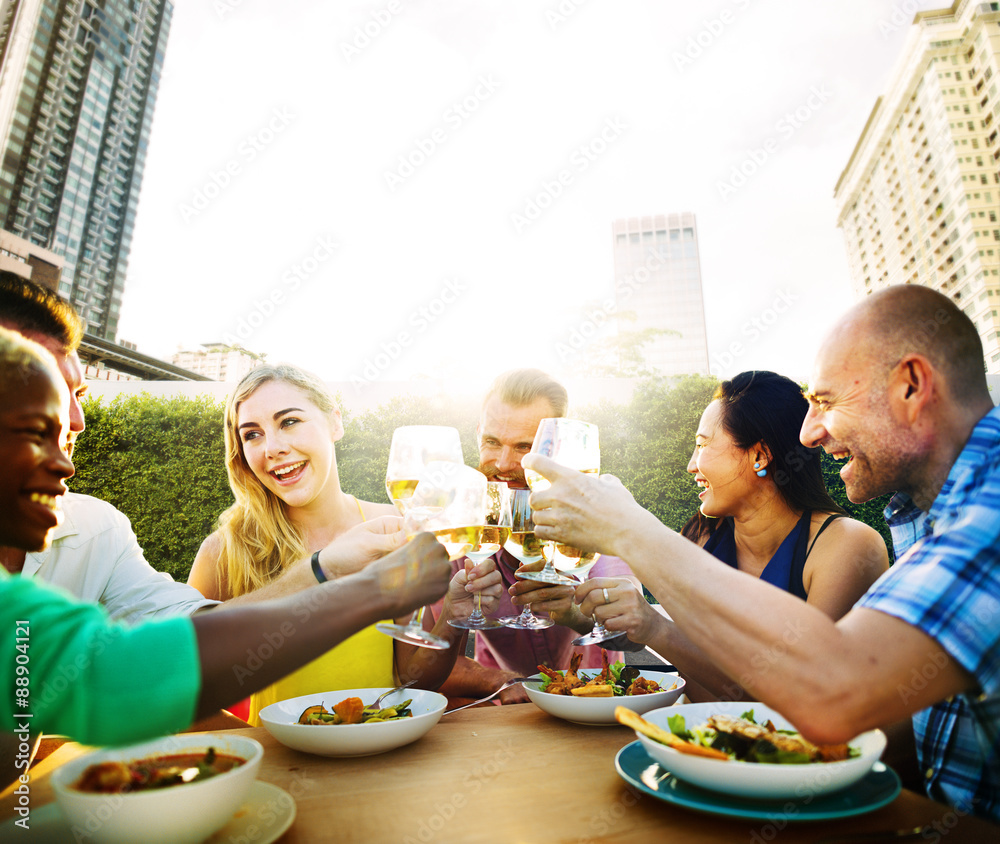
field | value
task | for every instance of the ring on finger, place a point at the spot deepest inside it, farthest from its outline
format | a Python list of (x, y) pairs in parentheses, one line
[(607, 599)]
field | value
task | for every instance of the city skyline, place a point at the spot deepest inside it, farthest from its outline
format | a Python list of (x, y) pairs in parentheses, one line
[(392, 186)]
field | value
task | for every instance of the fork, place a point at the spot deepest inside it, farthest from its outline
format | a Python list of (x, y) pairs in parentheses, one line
[(512, 682), (384, 695)]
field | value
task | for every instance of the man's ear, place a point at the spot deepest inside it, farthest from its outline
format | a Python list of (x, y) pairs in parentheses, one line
[(911, 386)]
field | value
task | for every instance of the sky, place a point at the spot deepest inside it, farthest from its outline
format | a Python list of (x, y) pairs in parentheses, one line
[(371, 190)]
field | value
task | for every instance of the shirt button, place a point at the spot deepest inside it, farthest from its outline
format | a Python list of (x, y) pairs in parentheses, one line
[(929, 774)]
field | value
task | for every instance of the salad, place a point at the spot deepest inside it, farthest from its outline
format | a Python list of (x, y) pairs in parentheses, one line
[(614, 680)]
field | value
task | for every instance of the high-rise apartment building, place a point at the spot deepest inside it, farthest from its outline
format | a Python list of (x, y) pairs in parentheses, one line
[(658, 280), (919, 199), (78, 84)]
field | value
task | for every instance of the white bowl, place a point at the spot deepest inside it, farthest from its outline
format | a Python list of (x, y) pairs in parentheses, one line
[(281, 721), (753, 779), (601, 710), (181, 814)]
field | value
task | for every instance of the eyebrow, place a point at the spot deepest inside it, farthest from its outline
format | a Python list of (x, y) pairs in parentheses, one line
[(276, 417), (814, 395)]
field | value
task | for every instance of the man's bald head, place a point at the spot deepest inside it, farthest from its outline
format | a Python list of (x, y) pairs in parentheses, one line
[(910, 319)]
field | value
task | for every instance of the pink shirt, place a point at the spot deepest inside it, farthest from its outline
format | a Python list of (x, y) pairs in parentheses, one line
[(523, 651)]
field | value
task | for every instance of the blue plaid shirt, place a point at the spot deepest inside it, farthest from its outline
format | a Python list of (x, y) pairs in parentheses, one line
[(947, 584)]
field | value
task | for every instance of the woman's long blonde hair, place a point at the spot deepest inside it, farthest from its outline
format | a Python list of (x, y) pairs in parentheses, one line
[(259, 540)]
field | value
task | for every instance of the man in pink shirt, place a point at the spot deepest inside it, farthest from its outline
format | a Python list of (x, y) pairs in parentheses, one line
[(517, 401)]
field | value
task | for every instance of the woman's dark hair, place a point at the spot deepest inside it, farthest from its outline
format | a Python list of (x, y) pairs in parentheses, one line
[(765, 408)]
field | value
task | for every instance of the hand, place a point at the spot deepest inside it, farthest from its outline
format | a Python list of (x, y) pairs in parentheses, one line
[(461, 597), (627, 608), (413, 576), (557, 601), (593, 513), (362, 544)]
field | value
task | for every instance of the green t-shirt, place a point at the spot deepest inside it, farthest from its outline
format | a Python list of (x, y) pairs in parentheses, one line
[(86, 677)]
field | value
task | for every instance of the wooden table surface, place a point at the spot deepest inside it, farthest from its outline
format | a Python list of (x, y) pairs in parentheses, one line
[(515, 774)]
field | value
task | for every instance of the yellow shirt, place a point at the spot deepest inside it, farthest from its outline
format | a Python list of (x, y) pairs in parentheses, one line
[(364, 661)]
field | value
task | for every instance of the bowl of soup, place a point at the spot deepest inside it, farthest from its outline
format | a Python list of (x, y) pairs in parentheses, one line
[(175, 790)]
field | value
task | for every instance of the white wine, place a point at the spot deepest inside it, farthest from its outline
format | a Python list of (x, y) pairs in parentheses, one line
[(572, 561), (458, 541), (540, 484), (524, 545), (490, 542), (401, 491)]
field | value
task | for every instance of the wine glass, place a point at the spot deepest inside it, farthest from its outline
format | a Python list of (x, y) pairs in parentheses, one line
[(448, 501), (527, 548), (413, 447), (574, 444), (496, 529)]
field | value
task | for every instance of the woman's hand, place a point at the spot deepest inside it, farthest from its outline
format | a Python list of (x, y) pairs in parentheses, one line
[(593, 513), (623, 609), (362, 544), (557, 601)]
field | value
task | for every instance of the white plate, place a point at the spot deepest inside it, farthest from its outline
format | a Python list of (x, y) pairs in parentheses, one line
[(752, 779), (281, 721), (601, 710), (263, 818)]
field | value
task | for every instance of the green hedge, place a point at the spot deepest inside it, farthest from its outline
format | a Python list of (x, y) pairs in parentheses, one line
[(161, 460)]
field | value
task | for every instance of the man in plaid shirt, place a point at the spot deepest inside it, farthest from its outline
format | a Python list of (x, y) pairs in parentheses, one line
[(899, 392)]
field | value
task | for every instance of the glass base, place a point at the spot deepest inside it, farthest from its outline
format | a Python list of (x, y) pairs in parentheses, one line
[(413, 636), (473, 623), (549, 576), (597, 637), (519, 622)]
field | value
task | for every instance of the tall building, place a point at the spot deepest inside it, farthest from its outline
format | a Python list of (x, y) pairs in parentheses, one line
[(919, 199), (218, 361), (658, 280), (78, 84)]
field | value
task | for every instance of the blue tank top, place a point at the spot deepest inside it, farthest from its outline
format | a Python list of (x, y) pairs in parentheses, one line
[(784, 569)]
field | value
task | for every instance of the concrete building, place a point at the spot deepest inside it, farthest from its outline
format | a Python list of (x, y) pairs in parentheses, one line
[(217, 361), (30, 261), (658, 279), (78, 85), (919, 199)]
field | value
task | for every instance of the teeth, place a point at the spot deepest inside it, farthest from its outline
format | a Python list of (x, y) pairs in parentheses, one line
[(50, 501), (285, 470)]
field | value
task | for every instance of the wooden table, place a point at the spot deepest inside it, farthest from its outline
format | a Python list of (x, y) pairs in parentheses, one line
[(514, 774)]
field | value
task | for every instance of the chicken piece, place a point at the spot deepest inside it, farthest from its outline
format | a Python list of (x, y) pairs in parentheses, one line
[(644, 686)]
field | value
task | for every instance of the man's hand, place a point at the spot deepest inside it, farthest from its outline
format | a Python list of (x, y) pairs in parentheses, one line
[(593, 513), (412, 577), (625, 609), (557, 601), (362, 544), (483, 579)]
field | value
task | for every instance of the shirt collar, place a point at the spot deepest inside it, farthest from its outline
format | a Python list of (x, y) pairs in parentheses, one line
[(67, 527)]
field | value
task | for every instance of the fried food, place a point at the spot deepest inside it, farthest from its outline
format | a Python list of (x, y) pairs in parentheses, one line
[(783, 741), (593, 689), (604, 684), (641, 725)]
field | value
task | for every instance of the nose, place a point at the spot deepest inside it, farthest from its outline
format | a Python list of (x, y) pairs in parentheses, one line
[(76, 421), (60, 465), (274, 444), (692, 466), (812, 432), (509, 460)]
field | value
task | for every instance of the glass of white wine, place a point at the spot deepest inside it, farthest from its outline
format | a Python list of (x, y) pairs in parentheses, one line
[(574, 444), (496, 529), (527, 549), (448, 501), (413, 447)]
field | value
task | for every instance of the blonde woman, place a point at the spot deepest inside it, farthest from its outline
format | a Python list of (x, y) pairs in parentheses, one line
[(280, 428)]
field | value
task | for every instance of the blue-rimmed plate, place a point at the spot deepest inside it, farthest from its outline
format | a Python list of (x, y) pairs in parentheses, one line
[(875, 790)]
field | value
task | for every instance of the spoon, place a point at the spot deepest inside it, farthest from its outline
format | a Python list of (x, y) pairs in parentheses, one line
[(384, 695)]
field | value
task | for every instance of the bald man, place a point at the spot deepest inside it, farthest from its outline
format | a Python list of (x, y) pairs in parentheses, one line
[(899, 392)]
